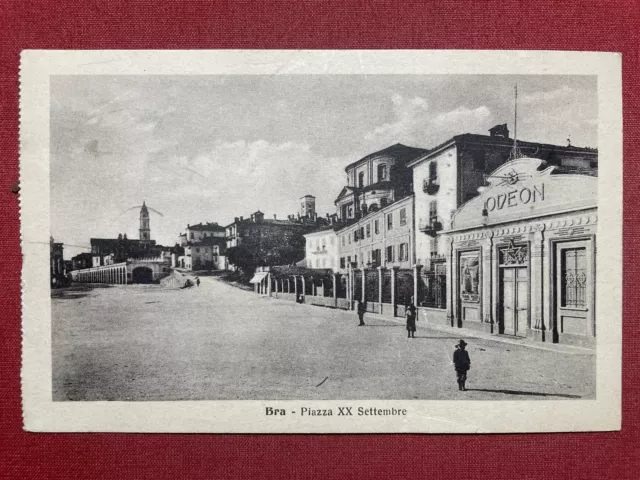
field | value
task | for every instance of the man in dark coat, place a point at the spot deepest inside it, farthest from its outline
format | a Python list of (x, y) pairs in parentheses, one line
[(462, 363), (361, 309)]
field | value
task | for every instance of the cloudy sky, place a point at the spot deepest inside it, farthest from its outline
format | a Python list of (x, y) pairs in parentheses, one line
[(209, 148)]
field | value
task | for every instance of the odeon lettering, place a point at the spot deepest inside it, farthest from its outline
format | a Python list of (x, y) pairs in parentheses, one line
[(515, 197)]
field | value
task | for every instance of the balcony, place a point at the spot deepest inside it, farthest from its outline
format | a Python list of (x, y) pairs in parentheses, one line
[(430, 228), (430, 186)]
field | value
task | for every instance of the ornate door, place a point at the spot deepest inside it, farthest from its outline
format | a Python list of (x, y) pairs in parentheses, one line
[(514, 300), (513, 306)]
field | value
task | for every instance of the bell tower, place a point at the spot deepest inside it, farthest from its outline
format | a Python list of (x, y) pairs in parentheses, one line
[(145, 229)]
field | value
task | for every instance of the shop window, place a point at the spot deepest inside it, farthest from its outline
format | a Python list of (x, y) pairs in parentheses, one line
[(469, 277), (403, 216), (574, 277)]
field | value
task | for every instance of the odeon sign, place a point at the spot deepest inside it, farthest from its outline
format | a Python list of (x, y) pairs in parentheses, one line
[(515, 197)]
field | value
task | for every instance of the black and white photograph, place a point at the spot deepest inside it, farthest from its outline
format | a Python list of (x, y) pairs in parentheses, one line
[(322, 246)]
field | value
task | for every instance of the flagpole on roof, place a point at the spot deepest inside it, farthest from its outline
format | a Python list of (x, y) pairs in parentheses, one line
[(515, 151)]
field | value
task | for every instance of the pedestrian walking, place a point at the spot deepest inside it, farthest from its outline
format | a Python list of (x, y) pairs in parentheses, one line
[(361, 309), (410, 313), (462, 364), (198, 281)]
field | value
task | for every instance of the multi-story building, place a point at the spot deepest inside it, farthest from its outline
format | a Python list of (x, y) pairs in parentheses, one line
[(449, 175), (321, 249), (270, 241), (382, 238), (202, 246), (57, 265), (376, 180)]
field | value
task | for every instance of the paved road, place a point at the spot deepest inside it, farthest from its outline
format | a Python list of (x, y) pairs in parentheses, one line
[(220, 342)]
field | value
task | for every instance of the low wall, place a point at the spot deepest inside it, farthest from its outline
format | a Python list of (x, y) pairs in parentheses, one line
[(343, 303), (322, 301), (286, 296), (433, 315)]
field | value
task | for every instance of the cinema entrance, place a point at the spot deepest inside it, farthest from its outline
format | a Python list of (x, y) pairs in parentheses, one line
[(524, 265)]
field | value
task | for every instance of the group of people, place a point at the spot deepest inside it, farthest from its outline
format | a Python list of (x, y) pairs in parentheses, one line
[(461, 359)]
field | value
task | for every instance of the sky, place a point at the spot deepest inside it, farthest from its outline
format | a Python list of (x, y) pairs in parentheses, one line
[(211, 148)]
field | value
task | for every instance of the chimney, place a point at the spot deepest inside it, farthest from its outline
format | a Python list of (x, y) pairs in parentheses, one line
[(241, 218), (236, 219), (499, 131), (187, 225)]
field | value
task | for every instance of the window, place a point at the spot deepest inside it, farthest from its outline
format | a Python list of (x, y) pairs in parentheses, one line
[(197, 250), (382, 172), (377, 227), (355, 259), (390, 221), (389, 257), (376, 257), (433, 211), (355, 235), (324, 262), (361, 179), (404, 252), (479, 160), (369, 257), (344, 242), (433, 171), (403, 216), (361, 232), (574, 277), (368, 230), (342, 262), (191, 235), (349, 237), (349, 259)]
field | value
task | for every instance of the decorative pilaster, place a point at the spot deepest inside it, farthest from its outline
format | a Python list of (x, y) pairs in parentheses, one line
[(394, 291), (452, 292), (537, 301), (380, 273), (487, 287), (416, 284)]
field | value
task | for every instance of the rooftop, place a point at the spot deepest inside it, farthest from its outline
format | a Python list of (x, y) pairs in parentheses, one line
[(503, 142), (399, 152), (209, 226)]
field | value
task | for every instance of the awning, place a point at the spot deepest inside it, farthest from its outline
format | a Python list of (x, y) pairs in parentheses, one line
[(257, 278)]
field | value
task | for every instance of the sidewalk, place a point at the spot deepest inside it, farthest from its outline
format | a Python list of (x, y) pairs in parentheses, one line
[(468, 333)]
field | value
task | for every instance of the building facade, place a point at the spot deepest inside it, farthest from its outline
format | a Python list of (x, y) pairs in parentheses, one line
[(321, 249), (382, 238), (202, 246), (521, 256), (269, 241), (375, 181)]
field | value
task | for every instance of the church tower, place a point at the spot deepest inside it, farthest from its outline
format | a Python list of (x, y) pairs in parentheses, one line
[(145, 229)]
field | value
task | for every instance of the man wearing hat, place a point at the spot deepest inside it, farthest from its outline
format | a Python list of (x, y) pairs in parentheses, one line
[(462, 363)]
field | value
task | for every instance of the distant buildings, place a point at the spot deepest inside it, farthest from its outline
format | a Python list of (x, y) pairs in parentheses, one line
[(58, 271), (203, 246), (264, 241)]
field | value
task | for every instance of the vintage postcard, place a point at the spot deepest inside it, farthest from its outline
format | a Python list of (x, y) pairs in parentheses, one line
[(321, 241)]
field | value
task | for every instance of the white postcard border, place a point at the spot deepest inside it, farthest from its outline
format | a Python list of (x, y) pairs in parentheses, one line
[(459, 416)]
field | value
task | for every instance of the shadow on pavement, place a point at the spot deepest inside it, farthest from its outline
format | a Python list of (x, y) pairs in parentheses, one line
[(442, 338), (516, 392), (381, 325)]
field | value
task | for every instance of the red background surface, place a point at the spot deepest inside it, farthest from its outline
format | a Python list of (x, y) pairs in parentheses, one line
[(603, 25)]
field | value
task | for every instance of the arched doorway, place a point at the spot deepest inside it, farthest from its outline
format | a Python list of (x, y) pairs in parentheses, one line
[(142, 275)]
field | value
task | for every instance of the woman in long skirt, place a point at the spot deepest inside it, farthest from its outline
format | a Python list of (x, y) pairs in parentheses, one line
[(411, 321)]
